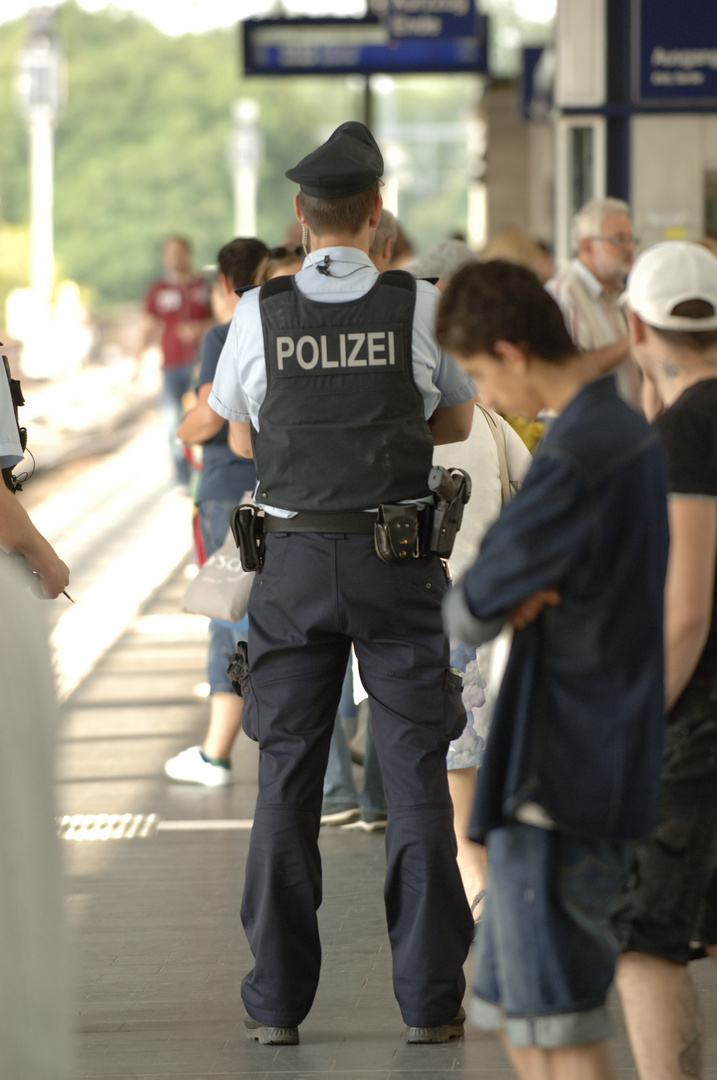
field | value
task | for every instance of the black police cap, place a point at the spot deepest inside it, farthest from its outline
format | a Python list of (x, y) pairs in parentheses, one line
[(347, 163)]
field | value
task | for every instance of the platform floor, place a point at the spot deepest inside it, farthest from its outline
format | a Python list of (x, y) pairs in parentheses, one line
[(154, 907)]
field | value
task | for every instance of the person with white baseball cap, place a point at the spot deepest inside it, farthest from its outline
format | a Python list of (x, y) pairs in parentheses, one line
[(668, 916)]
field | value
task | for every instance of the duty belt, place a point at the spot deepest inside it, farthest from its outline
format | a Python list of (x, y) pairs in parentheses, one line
[(348, 521), (401, 531)]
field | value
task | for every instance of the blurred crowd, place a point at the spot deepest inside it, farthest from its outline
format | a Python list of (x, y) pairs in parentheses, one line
[(601, 329), (538, 742)]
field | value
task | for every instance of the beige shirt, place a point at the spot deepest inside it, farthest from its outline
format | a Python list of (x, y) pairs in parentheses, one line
[(595, 319)]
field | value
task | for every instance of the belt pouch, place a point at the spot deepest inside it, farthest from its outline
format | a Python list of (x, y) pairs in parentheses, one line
[(396, 534)]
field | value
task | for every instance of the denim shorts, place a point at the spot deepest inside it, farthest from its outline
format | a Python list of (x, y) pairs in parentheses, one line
[(669, 908), (546, 953)]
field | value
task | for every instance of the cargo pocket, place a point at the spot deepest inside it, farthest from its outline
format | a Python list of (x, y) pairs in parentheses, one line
[(690, 743), (454, 711), (250, 712)]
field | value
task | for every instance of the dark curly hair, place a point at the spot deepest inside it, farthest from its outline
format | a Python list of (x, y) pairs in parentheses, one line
[(501, 301)]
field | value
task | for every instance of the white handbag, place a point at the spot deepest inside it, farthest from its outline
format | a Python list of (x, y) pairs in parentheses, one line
[(221, 588)]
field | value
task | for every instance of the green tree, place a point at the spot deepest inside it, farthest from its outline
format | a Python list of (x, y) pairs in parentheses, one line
[(142, 145), (13, 139)]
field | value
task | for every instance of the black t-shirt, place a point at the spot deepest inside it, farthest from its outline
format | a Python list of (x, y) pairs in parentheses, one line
[(688, 430)]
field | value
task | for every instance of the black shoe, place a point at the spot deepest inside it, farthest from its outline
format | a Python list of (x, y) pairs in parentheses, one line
[(270, 1036), (440, 1034)]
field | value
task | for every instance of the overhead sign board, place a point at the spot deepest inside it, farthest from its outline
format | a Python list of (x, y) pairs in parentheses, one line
[(431, 18), (327, 46), (674, 48)]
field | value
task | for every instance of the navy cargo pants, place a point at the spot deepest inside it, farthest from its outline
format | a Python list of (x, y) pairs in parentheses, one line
[(316, 594)]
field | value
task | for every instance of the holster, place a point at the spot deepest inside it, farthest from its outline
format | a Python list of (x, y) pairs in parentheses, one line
[(451, 491), (396, 534), (247, 525), (239, 667)]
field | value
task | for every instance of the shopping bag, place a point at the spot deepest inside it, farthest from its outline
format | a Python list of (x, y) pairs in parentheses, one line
[(221, 588)]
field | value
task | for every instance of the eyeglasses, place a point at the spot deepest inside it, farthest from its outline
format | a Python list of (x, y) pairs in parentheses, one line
[(287, 252), (620, 240)]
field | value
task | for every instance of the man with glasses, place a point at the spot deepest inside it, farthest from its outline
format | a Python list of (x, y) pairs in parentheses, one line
[(589, 288)]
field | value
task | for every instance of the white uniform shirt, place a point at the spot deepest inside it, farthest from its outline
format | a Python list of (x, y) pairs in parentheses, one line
[(239, 385)]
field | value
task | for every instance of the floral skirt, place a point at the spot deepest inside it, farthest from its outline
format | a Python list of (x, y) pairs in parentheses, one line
[(467, 750)]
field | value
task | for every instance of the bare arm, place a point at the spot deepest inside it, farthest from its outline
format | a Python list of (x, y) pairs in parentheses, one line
[(201, 423), (191, 331), (19, 535), (452, 423), (690, 588), (149, 332), (652, 404), (610, 356), (240, 438)]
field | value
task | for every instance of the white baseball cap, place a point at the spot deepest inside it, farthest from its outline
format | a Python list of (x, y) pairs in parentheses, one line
[(668, 274)]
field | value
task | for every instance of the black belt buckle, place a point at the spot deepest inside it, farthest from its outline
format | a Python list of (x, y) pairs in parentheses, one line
[(247, 525), (395, 534)]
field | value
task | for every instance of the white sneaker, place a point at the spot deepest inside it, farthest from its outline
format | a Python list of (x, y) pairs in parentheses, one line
[(191, 767)]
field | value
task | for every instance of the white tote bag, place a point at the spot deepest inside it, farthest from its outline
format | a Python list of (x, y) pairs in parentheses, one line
[(222, 586)]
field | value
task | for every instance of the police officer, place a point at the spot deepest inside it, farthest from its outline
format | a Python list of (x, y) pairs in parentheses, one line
[(336, 376)]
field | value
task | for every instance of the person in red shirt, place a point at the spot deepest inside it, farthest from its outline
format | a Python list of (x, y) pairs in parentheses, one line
[(176, 311)]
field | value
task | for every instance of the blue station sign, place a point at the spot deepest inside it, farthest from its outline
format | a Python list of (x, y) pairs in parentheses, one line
[(431, 19), (328, 46), (674, 46)]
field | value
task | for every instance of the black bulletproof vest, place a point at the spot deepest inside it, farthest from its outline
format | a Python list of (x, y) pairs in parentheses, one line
[(342, 425)]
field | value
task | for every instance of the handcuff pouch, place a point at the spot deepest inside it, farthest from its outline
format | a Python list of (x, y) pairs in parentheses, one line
[(396, 534)]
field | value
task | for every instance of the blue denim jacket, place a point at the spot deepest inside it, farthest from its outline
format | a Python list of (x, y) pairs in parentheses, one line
[(579, 724)]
